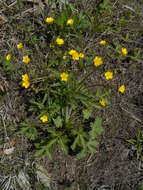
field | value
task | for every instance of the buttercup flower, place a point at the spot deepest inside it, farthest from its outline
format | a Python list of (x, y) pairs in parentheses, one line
[(72, 51), (108, 75), (19, 45), (102, 102), (8, 57), (26, 59), (44, 118), (102, 42), (64, 76), (25, 84), (124, 51), (98, 61), (25, 81), (49, 20), (25, 77), (70, 22), (74, 54), (59, 41), (81, 55), (121, 89)]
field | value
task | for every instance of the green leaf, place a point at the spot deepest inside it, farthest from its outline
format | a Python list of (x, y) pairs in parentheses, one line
[(131, 141), (86, 114), (52, 132), (82, 141), (97, 106), (68, 114), (105, 4), (8, 66), (96, 128), (82, 154), (49, 147), (62, 141), (98, 92), (48, 154), (75, 143), (62, 19), (39, 153), (51, 143), (19, 3), (38, 104), (58, 122), (45, 98), (30, 132), (92, 144)]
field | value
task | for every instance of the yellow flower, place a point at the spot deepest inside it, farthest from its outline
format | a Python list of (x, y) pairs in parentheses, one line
[(25, 84), (26, 59), (19, 45), (8, 57), (81, 55), (49, 20), (70, 22), (25, 81), (59, 41), (44, 118), (74, 54), (108, 75), (72, 51), (98, 61), (102, 102), (124, 51), (102, 42), (25, 77), (64, 76), (121, 89)]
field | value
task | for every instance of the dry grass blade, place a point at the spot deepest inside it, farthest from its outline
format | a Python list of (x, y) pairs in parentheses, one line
[(3, 20), (23, 180), (43, 176), (132, 112)]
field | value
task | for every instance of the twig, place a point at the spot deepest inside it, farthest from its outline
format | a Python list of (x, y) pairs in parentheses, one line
[(115, 3), (132, 115), (130, 8), (5, 131)]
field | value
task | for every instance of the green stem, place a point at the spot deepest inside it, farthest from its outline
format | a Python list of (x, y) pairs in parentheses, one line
[(84, 78)]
